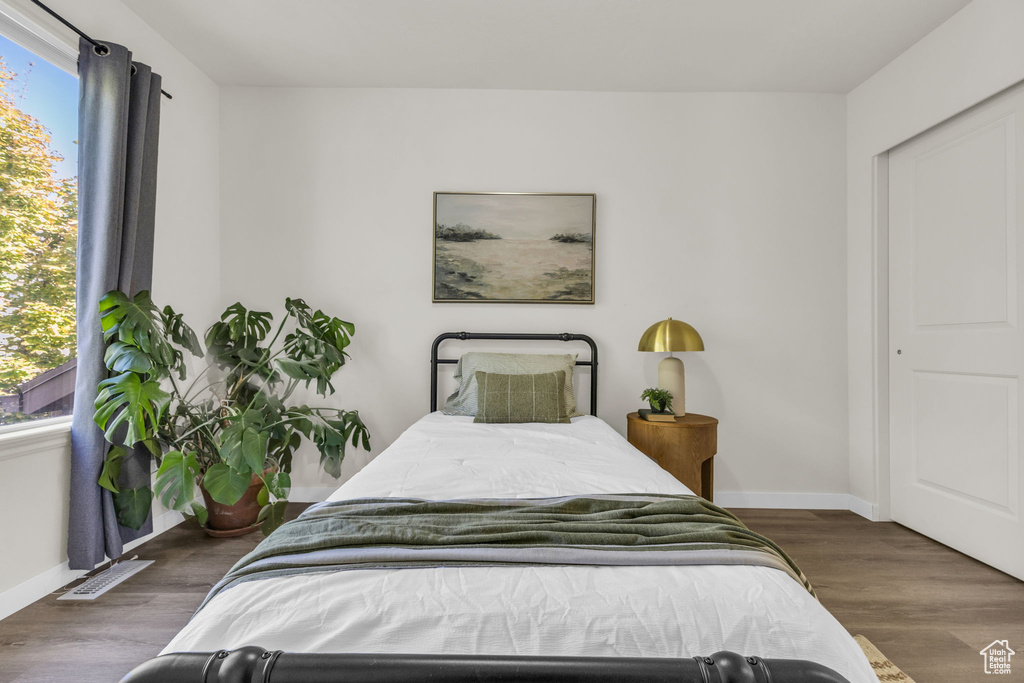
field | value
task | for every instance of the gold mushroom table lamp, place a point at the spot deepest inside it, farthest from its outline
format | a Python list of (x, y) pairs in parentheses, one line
[(671, 336)]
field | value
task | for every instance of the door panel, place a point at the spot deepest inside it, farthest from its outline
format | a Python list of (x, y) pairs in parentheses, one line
[(957, 415), (956, 350), (962, 276)]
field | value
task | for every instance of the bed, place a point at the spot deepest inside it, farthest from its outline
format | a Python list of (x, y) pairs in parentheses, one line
[(479, 621)]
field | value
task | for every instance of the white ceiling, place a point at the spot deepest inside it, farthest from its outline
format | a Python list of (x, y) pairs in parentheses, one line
[(612, 45)]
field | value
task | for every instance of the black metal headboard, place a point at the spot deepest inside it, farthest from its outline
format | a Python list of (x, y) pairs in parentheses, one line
[(564, 336)]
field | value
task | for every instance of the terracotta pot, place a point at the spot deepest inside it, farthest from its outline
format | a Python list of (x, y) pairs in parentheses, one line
[(240, 517)]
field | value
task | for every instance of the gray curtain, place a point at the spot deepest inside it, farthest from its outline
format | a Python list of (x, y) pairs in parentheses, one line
[(118, 128)]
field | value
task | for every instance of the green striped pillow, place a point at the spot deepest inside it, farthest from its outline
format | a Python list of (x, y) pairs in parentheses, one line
[(504, 399), (463, 401)]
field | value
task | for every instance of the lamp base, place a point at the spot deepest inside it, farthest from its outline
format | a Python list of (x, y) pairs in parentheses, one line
[(672, 377)]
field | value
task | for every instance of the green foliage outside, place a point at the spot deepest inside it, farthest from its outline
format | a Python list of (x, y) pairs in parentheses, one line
[(38, 233)]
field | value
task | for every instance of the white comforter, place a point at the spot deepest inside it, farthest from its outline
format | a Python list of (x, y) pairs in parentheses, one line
[(588, 611)]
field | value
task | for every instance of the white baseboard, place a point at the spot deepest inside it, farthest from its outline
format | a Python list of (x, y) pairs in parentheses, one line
[(40, 585), (27, 592), (795, 501), (864, 509), (783, 501), (310, 494)]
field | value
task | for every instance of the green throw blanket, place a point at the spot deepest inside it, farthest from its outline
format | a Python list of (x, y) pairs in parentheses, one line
[(614, 529)]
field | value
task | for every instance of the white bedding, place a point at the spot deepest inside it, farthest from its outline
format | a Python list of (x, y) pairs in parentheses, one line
[(587, 611)]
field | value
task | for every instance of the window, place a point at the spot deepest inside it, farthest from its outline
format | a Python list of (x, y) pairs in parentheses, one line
[(38, 231)]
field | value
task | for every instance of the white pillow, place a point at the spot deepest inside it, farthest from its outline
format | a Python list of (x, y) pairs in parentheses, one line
[(464, 400)]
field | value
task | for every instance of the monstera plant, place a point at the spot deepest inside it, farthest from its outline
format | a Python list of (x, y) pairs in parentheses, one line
[(226, 424)]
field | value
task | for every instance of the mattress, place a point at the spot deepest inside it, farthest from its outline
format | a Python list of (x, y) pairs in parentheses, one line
[(652, 611)]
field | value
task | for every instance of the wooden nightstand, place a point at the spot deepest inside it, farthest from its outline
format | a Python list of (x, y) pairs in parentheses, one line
[(686, 448)]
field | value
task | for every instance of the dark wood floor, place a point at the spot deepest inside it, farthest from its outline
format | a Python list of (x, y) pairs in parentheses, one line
[(928, 608)]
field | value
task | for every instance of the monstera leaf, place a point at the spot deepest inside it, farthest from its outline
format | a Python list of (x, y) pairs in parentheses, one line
[(246, 327), (176, 479), (244, 442), (272, 516), (302, 370), (127, 400), (201, 513), (132, 506), (279, 483), (239, 327), (316, 350), (309, 361), (275, 483), (301, 419), (234, 344), (331, 434), (299, 310), (182, 336), (179, 332), (224, 484), (112, 468), (282, 444), (136, 322), (121, 357), (319, 334)]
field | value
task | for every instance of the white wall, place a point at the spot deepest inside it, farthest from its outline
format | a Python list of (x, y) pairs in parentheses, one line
[(975, 54), (36, 475), (186, 274), (723, 210), (186, 269)]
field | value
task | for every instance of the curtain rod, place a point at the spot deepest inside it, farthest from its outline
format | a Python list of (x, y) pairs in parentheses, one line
[(79, 32)]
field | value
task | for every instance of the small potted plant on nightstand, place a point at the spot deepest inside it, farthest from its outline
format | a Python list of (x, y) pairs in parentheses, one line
[(660, 401)]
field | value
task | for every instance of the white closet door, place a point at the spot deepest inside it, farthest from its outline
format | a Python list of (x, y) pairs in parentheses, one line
[(956, 347)]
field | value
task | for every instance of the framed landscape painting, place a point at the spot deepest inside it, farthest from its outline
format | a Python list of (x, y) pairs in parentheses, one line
[(512, 247)]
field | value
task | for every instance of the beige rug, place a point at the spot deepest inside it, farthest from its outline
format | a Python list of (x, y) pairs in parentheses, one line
[(886, 671)]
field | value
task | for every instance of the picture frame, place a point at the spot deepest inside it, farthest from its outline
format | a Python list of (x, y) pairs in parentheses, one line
[(514, 247)]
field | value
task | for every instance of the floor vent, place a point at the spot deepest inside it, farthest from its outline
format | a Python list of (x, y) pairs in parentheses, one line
[(105, 580)]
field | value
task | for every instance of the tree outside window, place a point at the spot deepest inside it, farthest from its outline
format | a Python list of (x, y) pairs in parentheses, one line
[(38, 233)]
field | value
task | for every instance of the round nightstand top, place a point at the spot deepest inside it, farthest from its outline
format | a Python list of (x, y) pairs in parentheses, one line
[(688, 420)]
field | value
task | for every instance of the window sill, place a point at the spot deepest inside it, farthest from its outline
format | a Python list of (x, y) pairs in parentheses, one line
[(33, 437)]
